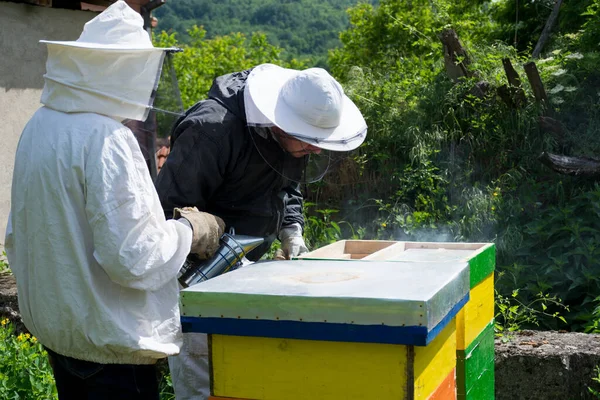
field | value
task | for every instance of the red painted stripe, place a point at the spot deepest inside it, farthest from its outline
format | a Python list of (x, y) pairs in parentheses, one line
[(447, 389)]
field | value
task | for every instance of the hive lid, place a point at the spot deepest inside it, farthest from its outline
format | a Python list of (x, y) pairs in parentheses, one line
[(402, 300)]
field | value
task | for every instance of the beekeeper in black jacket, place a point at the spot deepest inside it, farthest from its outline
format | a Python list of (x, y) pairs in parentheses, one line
[(242, 155)]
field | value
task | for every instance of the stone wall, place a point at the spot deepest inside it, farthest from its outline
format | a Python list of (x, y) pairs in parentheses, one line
[(547, 366)]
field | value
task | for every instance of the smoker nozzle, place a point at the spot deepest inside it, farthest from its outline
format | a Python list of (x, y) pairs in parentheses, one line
[(230, 254)]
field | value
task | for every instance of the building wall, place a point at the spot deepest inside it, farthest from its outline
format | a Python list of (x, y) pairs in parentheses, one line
[(22, 66)]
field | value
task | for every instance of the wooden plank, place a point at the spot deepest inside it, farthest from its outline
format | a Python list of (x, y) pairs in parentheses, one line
[(347, 249), (434, 362), (357, 256), (366, 246), (447, 389), (386, 253), (275, 369), (444, 245), (476, 315), (536, 82), (511, 73), (333, 250)]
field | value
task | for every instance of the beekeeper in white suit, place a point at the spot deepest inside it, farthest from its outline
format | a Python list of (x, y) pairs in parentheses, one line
[(94, 258)]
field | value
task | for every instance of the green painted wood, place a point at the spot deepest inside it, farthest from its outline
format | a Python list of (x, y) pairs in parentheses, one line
[(482, 264), (476, 362), (486, 334), (483, 388)]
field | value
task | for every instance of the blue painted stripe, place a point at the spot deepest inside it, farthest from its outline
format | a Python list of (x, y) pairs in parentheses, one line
[(407, 335)]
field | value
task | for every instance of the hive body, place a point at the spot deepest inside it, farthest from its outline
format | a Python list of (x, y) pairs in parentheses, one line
[(352, 320)]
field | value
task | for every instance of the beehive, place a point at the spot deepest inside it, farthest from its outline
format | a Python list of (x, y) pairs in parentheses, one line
[(474, 323), (321, 328)]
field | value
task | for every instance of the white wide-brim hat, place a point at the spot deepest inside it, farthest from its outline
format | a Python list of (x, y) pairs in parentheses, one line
[(117, 28), (309, 105)]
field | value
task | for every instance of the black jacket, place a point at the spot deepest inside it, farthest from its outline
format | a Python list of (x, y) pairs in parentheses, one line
[(220, 165)]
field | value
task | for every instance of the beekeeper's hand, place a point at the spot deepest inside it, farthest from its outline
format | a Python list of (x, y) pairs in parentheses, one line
[(207, 229), (292, 242)]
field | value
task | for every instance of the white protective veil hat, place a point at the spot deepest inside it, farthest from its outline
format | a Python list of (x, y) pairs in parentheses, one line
[(309, 105), (112, 69), (118, 27)]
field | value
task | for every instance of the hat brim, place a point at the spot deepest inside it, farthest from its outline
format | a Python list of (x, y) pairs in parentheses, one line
[(265, 83), (112, 47)]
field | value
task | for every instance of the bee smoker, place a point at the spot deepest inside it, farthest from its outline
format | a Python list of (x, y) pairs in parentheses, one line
[(229, 256)]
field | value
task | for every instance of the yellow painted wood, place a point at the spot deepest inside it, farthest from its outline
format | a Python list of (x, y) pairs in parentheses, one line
[(476, 314), (277, 369), (434, 362)]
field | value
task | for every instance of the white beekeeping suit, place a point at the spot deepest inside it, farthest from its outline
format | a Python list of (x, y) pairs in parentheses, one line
[(94, 258)]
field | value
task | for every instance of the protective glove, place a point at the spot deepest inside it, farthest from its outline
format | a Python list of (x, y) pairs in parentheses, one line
[(207, 229), (292, 243)]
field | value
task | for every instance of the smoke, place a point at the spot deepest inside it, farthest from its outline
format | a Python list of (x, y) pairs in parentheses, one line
[(442, 234)]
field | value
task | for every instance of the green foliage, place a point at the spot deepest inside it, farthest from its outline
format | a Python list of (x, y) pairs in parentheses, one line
[(305, 28), (202, 59), (593, 325), (568, 264), (446, 161), (25, 371), (520, 23), (591, 28), (165, 385), (320, 229), (400, 37), (26, 374), (596, 379), (513, 315), (4, 268)]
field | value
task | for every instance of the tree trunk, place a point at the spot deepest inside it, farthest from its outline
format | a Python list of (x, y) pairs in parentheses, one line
[(547, 29), (455, 56)]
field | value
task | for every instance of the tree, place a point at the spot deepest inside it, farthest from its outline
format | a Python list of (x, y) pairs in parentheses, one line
[(202, 59)]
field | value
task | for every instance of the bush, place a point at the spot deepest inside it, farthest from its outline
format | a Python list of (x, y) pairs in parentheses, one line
[(447, 161), (26, 374), (25, 371)]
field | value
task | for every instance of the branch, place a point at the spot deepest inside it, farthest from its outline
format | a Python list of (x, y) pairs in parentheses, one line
[(547, 29), (574, 166)]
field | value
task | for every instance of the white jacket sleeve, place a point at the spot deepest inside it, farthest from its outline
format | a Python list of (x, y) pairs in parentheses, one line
[(133, 242)]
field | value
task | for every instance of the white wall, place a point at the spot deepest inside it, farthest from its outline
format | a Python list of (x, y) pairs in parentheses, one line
[(22, 66)]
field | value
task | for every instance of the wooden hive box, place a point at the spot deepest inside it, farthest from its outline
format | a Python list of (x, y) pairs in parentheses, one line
[(474, 323), (324, 329)]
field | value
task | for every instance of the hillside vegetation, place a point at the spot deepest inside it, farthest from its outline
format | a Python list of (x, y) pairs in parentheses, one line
[(301, 27)]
